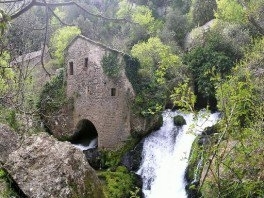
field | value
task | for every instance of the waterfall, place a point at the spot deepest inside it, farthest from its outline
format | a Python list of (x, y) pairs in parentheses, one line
[(166, 151), (86, 144)]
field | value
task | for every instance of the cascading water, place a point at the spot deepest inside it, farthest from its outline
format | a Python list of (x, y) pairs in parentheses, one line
[(165, 154), (86, 144)]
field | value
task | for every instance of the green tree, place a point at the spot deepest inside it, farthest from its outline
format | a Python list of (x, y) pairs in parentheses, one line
[(233, 164), (140, 15), (215, 57), (60, 40), (175, 27), (202, 11), (159, 71), (230, 10)]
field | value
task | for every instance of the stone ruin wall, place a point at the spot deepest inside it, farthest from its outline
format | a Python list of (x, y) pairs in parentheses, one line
[(90, 89)]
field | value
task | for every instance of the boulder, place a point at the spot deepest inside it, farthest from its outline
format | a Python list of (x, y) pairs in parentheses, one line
[(179, 120), (234, 34), (197, 35), (93, 156), (9, 141), (44, 167), (132, 159), (142, 126)]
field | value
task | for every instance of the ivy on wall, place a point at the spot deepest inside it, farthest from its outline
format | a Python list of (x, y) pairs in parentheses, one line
[(111, 65), (52, 98)]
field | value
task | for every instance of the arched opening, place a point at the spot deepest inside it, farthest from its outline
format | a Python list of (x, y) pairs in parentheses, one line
[(85, 136)]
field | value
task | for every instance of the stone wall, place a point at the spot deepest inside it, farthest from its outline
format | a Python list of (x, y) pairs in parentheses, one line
[(92, 92)]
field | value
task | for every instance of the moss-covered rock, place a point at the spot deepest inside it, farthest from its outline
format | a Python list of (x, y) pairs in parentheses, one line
[(179, 120), (210, 130), (141, 126)]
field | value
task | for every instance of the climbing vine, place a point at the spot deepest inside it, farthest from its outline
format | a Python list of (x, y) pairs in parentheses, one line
[(111, 65)]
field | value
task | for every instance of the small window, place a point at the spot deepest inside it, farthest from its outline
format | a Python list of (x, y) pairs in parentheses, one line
[(71, 68), (86, 62), (113, 91)]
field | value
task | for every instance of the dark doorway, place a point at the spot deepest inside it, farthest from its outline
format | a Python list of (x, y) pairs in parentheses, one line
[(85, 133)]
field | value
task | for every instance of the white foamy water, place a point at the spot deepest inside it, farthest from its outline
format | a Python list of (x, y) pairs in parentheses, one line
[(165, 154), (86, 144)]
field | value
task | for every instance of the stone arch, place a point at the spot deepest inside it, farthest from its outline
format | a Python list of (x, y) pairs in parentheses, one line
[(85, 131)]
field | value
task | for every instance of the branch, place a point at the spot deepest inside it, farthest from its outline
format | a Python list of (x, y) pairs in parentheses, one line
[(58, 18), (11, 1), (45, 41), (216, 148), (70, 3), (252, 20), (23, 10)]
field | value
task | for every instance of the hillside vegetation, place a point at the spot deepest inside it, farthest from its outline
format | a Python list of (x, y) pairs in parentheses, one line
[(188, 54)]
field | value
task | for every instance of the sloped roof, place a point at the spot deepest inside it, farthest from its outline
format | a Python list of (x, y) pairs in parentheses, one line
[(28, 56), (93, 42)]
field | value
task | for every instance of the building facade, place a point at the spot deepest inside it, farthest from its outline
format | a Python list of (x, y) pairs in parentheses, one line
[(102, 100)]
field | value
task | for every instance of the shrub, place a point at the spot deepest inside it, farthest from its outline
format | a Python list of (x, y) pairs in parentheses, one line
[(6, 186), (118, 183)]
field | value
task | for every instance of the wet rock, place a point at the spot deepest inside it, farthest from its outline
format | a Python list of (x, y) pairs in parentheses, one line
[(210, 130), (179, 120), (142, 126), (46, 168), (93, 156), (9, 141), (132, 159)]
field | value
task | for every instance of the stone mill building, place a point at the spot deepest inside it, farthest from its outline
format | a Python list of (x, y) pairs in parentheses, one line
[(101, 103)]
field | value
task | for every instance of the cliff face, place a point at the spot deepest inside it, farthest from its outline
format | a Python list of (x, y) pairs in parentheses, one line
[(44, 167)]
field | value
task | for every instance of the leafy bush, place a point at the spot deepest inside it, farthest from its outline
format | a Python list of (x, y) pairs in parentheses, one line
[(234, 189), (2, 174), (117, 184), (159, 70), (230, 10), (235, 166), (12, 120), (7, 184), (206, 62)]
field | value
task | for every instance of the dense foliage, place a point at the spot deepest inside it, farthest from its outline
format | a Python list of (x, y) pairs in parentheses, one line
[(159, 71), (222, 68), (119, 183), (60, 40)]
